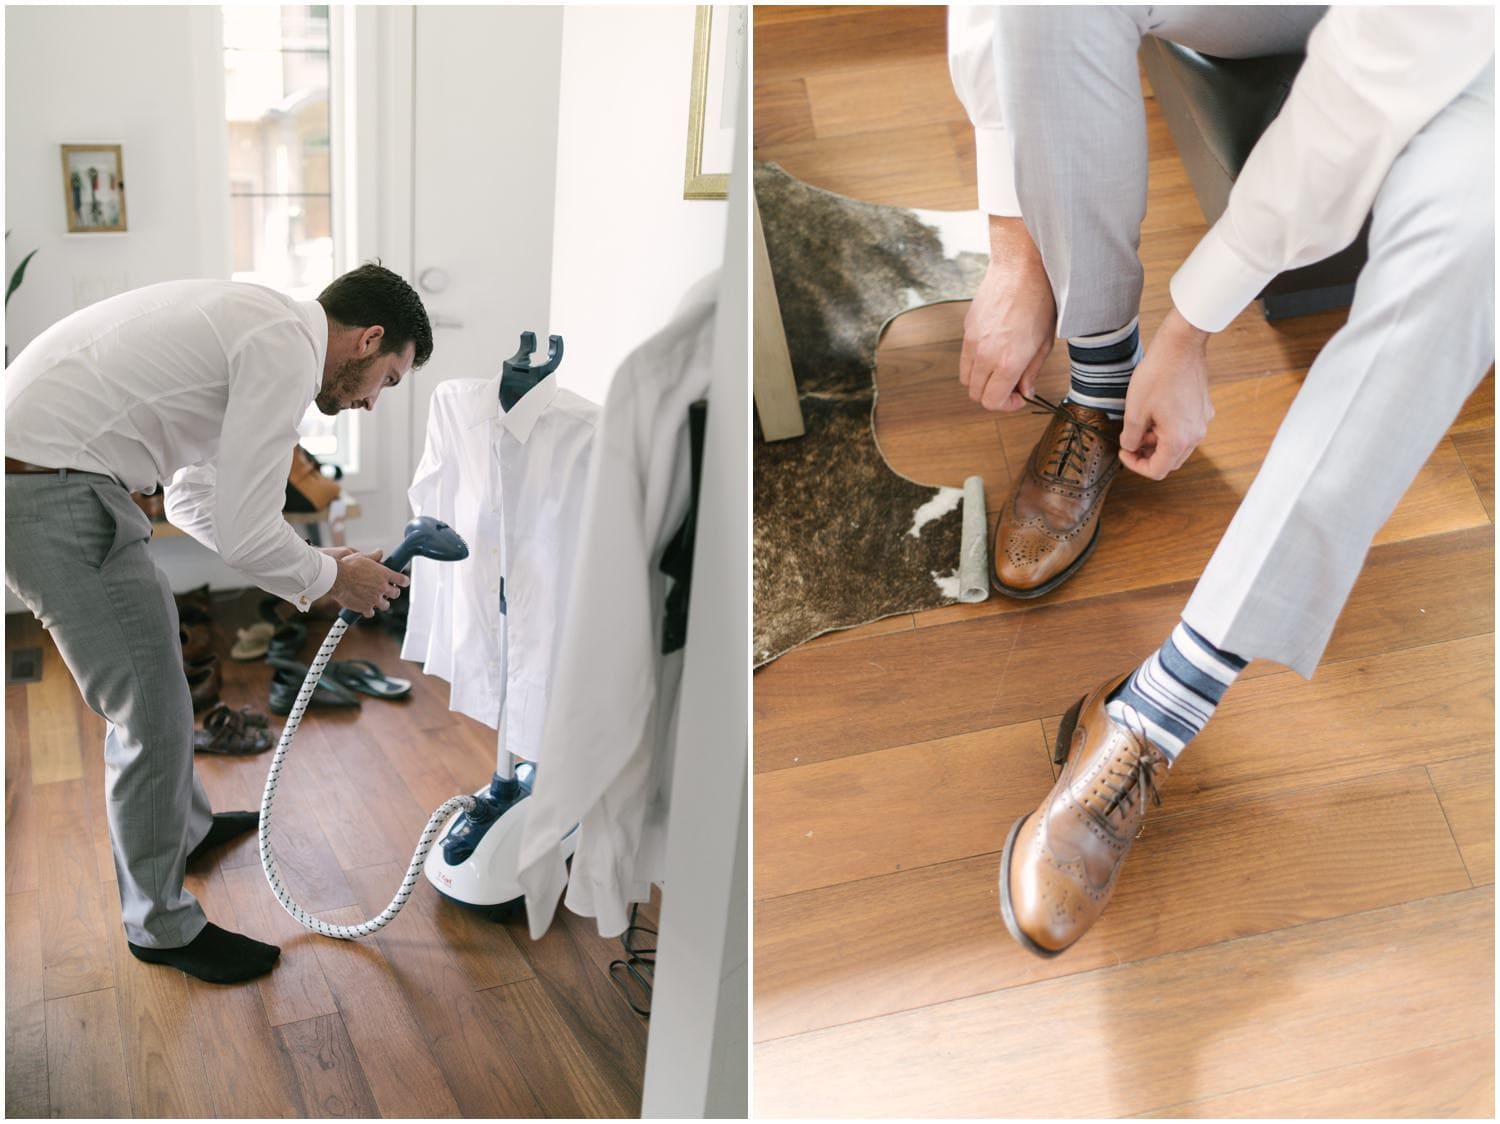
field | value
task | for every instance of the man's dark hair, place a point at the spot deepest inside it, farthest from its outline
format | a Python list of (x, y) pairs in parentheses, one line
[(373, 295)]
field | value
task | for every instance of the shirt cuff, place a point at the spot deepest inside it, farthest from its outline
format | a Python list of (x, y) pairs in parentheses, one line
[(1215, 284), (328, 570), (996, 173)]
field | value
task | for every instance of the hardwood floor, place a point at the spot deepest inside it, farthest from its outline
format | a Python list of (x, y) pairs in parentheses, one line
[(1307, 926), (443, 1013)]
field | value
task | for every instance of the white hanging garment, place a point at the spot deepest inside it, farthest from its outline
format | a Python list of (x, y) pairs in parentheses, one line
[(513, 485), (612, 713)]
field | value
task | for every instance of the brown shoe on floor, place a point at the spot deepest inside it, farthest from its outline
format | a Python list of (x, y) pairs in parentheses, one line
[(1048, 527), (1060, 863)]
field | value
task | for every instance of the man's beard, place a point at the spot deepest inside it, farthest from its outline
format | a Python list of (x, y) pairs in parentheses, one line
[(348, 380)]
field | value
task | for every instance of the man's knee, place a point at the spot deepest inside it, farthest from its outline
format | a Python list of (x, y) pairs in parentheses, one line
[(1026, 29)]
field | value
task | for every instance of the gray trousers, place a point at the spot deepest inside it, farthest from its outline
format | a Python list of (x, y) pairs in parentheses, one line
[(1381, 394), (75, 553)]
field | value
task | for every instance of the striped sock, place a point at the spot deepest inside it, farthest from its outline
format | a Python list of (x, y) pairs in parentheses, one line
[(1174, 693), (1102, 366)]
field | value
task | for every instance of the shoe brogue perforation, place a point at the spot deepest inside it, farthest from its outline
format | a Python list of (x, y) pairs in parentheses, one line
[(1061, 863)]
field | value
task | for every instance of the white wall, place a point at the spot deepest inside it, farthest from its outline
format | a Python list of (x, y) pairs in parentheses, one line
[(626, 243), (116, 75), (146, 78)]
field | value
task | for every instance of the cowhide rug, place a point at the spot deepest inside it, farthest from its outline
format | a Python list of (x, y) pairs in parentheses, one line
[(840, 538)]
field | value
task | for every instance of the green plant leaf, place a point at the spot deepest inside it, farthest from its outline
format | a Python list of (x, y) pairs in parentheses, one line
[(18, 276)]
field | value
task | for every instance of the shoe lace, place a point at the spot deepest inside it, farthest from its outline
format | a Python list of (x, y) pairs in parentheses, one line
[(1137, 771), (1072, 449)]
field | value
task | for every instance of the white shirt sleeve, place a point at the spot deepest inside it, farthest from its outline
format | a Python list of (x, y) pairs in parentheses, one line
[(971, 64), (1373, 78), (234, 504)]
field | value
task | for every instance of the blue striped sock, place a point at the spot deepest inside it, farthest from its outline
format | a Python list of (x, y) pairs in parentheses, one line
[(1102, 366), (1174, 693)]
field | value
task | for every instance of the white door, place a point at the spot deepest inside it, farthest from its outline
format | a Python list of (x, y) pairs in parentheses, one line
[(484, 164)]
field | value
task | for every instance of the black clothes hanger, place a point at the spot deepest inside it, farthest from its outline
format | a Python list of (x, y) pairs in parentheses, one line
[(677, 558), (518, 375)]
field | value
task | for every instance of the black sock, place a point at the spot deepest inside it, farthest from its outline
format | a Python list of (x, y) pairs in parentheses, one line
[(226, 826), (215, 955)]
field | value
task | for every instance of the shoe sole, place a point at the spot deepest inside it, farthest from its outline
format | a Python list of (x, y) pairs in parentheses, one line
[(1007, 911), (1048, 586)]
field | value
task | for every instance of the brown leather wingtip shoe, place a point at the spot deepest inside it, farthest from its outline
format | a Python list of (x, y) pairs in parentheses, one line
[(1048, 527), (1061, 862)]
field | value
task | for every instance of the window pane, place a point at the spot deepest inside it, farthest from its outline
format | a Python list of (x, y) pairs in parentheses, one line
[(284, 242), (276, 65)]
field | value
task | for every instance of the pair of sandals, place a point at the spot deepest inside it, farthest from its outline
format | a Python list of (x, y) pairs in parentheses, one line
[(342, 683), (232, 733)]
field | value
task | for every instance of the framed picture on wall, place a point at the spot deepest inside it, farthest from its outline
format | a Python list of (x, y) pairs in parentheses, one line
[(94, 188), (719, 38)]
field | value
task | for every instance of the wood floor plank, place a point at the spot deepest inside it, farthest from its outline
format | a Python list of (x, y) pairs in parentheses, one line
[(52, 706), (85, 1055), (1477, 448), (329, 1076), (1275, 733), (571, 962), (816, 704), (878, 813), (163, 1057), (347, 819), (910, 167), (296, 991), (395, 1055), (308, 863), (20, 809), (782, 115), (1479, 410), (476, 1062), (75, 934), (1455, 1079), (901, 622), (26, 1092), (1466, 786), (801, 45), (249, 1073), (564, 1080), (1289, 859), (1255, 1011), (875, 98)]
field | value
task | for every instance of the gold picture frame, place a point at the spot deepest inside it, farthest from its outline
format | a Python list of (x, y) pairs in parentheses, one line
[(94, 188), (717, 64)]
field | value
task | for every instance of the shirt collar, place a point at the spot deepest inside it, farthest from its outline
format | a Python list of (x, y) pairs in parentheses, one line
[(317, 323), (521, 419)]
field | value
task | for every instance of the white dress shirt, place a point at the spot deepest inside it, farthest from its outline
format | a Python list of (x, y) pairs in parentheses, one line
[(201, 383), (1373, 77), (612, 717), (512, 484)]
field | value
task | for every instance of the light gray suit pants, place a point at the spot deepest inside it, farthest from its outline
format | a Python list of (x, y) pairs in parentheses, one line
[(75, 553), (1381, 394)]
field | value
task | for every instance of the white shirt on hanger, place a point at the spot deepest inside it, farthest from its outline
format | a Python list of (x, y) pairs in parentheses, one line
[(612, 714), (1373, 77), (512, 484), (201, 383)]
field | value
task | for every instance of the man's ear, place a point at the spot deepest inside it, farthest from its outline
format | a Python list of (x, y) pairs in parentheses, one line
[(369, 340)]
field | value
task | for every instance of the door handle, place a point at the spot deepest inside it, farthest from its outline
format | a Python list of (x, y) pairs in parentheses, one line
[(446, 322)]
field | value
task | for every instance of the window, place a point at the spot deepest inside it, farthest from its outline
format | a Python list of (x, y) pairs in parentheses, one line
[(276, 83)]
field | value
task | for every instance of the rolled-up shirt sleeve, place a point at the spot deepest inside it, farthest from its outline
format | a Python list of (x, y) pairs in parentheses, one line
[(1372, 79), (234, 503), (971, 65)]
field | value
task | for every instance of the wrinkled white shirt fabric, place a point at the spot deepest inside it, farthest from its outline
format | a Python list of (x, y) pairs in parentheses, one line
[(612, 717), (200, 383), (1373, 77), (512, 484)]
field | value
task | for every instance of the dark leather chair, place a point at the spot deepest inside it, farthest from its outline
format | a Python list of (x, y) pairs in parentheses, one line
[(1216, 109)]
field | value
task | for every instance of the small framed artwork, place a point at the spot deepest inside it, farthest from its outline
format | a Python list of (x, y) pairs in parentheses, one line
[(719, 38), (94, 188)]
